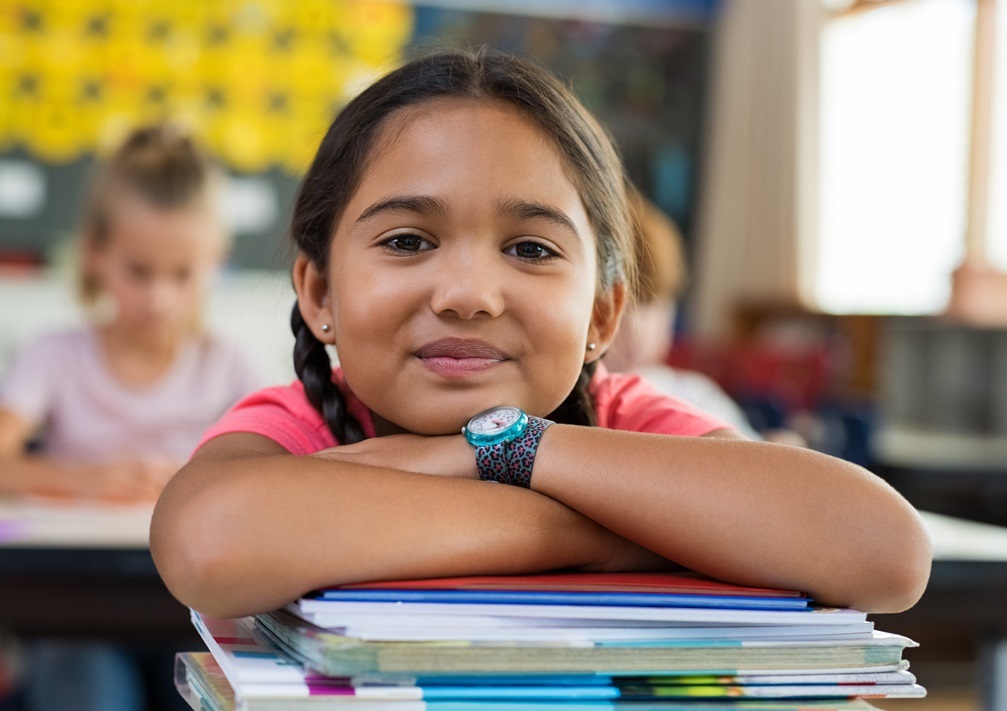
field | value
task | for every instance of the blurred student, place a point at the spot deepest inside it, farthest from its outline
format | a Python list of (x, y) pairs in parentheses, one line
[(118, 404), (112, 408), (646, 332)]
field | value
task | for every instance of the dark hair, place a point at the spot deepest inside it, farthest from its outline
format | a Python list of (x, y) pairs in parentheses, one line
[(335, 173)]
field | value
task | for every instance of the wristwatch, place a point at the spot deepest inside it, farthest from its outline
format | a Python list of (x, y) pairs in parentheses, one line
[(506, 440)]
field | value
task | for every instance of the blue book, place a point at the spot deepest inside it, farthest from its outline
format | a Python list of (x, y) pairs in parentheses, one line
[(528, 597)]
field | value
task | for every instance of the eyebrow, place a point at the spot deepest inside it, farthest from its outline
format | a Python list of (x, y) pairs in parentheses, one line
[(419, 204), (530, 210), (513, 208)]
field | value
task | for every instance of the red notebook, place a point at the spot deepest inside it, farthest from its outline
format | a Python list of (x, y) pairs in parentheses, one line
[(667, 583)]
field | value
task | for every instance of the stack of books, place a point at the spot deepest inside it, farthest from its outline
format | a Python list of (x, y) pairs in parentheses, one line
[(563, 641)]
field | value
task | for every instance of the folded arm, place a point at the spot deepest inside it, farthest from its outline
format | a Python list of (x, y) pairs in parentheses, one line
[(246, 527), (748, 512)]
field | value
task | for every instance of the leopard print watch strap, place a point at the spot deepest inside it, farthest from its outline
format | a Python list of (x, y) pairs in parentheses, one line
[(512, 462)]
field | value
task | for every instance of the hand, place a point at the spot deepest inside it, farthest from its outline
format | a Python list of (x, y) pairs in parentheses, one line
[(447, 455), (126, 480)]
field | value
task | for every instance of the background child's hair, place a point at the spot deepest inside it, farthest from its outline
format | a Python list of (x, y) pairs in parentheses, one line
[(660, 252), (160, 164), (595, 170)]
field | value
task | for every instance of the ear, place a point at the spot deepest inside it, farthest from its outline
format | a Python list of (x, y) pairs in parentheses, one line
[(608, 308), (312, 287)]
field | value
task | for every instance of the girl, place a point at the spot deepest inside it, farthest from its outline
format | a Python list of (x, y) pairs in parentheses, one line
[(121, 403), (464, 243), (117, 406)]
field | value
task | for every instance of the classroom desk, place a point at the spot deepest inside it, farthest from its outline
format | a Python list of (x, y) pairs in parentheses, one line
[(966, 597), (85, 570)]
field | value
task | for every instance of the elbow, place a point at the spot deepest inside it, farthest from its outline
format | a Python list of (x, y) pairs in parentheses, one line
[(907, 578), (893, 590), (189, 544), (897, 580)]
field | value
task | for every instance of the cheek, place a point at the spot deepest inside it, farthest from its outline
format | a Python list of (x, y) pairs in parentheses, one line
[(563, 315), (121, 287), (367, 315), (366, 299)]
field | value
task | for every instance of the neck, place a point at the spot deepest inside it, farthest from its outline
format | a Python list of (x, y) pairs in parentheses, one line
[(383, 428), (156, 350), (124, 338)]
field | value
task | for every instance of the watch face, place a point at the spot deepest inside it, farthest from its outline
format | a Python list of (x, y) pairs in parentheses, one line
[(494, 421)]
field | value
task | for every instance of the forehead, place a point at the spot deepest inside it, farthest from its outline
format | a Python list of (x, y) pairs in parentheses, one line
[(462, 149), (146, 231)]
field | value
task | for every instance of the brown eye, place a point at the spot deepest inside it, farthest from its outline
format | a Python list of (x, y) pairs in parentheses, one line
[(531, 251), (406, 244)]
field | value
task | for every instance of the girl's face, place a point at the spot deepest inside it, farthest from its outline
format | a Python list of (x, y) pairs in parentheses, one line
[(462, 274), (155, 264)]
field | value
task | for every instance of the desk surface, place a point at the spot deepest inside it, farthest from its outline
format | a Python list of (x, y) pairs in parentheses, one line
[(34, 529), (77, 566), (54, 523), (71, 525)]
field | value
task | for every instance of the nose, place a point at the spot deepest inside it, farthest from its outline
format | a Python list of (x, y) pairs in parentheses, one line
[(469, 285), (161, 299)]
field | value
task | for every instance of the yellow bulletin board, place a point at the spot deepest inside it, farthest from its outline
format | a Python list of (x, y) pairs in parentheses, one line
[(257, 80)]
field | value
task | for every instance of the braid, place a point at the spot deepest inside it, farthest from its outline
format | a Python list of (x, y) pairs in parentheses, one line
[(578, 408), (313, 367)]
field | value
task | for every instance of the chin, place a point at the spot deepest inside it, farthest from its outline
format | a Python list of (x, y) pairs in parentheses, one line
[(444, 418), (429, 426)]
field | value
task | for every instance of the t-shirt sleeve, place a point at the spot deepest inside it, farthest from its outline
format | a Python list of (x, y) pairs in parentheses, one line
[(26, 389), (282, 414), (628, 402)]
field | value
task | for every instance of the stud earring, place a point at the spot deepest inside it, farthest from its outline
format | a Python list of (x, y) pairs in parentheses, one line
[(592, 346), (326, 328)]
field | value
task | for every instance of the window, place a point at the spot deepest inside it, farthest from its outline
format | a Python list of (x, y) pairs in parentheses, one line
[(997, 229), (894, 143)]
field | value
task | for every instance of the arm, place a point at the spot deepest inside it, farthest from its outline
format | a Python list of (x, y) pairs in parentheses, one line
[(21, 473), (247, 527), (750, 512)]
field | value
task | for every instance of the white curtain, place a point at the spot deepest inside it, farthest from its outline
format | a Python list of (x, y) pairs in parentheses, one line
[(756, 221)]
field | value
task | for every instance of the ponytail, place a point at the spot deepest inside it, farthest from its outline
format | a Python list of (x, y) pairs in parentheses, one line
[(578, 407), (314, 369)]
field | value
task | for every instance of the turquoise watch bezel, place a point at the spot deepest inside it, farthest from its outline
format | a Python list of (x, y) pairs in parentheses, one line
[(512, 432)]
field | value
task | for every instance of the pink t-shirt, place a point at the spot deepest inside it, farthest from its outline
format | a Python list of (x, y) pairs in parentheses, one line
[(622, 402), (61, 382)]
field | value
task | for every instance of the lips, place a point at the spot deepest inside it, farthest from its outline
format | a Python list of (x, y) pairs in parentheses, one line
[(460, 348), (458, 357)]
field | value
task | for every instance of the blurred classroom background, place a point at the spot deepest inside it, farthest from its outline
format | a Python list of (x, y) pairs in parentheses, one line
[(838, 170)]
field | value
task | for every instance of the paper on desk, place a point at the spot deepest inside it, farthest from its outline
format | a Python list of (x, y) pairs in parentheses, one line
[(37, 522), (959, 539)]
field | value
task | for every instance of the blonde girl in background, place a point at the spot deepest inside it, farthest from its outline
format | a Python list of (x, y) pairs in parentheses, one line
[(464, 243), (116, 405)]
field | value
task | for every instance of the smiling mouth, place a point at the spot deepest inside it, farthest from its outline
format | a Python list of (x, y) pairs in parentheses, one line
[(457, 357)]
